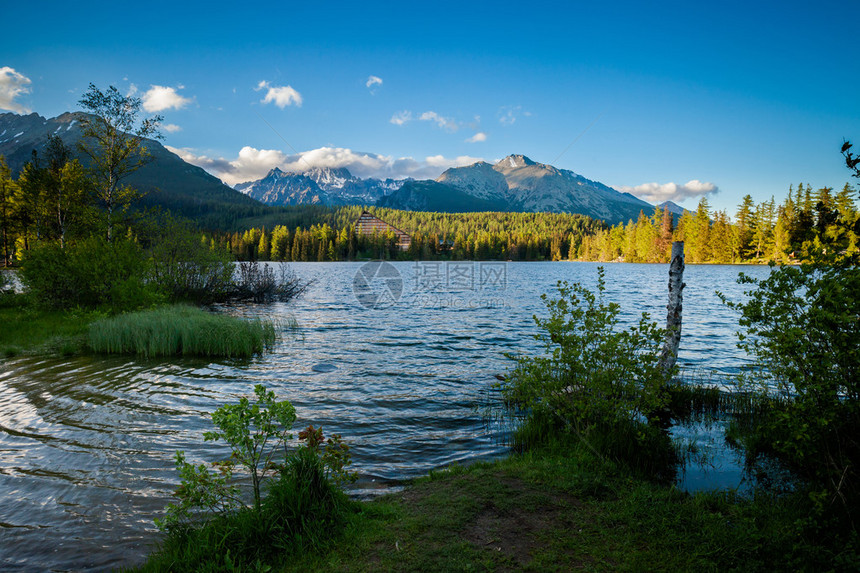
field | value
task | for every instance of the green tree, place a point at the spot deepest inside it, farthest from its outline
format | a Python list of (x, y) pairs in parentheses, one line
[(114, 141), (844, 204), (595, 379), (66, 188), (762, 238), (29, 210), (8, 190), (721, 239), (700, 241), (781, 238), (801, 327), (744, 218)]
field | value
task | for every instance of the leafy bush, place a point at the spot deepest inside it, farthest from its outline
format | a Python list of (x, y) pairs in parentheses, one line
[(180, 331), (212, 528), (92, 273), (187, 268), (801, 326), (601, 382)]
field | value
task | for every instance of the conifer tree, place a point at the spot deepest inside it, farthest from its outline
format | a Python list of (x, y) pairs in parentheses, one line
[(8, 190), (745, 219)]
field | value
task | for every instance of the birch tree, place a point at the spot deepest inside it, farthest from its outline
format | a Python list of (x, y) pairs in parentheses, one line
[(114, 142)]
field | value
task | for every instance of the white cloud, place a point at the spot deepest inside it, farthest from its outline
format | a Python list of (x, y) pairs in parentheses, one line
[(171, 128), (252, 163), (373, 81), (401, 117), (444, 163), (12, 85), (480, 136), (445, 123), (159, 98), (281, 96), (659, 192)]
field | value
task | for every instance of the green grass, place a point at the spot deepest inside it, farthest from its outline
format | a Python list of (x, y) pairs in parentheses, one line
[(168, 331), (180, 331), (27, 329), (554, 508), (561, 509)]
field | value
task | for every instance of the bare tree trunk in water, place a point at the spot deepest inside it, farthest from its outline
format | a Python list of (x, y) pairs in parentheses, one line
[(673, 318)]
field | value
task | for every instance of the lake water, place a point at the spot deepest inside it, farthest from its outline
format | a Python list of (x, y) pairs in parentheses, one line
[(396, 358)]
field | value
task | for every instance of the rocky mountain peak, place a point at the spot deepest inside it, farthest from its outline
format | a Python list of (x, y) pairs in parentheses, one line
[(515, 161)]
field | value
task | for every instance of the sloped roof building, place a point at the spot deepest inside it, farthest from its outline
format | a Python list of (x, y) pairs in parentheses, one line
[(367, 224)]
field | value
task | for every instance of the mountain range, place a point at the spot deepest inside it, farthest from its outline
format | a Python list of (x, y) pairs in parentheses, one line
[(515, 183), (318, 185)]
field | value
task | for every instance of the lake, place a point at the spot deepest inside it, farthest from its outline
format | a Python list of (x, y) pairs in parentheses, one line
[(398, 358)]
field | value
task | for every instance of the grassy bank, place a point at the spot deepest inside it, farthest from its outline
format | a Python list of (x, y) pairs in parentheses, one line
[(167, 331), (30, 330), (559, 508)]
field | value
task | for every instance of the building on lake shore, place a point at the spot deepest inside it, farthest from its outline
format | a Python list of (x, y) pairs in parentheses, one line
[(367, 225)]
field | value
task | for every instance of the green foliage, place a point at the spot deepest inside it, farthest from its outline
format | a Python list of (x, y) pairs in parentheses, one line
[(180, 331), (255, 431), (314, 233), (595, 379), (210, 528), (91, 273), (113, 141), (802, 329), (201, 494), (186, 268)]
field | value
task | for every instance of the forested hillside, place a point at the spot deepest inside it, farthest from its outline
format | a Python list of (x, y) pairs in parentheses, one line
[(806, 222)]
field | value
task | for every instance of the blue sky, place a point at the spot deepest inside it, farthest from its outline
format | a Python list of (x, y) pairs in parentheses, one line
[(669, 99)]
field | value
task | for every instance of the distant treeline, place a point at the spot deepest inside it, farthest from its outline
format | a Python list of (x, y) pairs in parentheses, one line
[(806, 222), (328, 234)]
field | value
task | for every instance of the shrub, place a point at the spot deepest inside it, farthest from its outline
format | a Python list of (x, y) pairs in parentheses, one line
[(186, 268), (92, 273), (595, 379), (801, 326), (212, 528), (258, 283)]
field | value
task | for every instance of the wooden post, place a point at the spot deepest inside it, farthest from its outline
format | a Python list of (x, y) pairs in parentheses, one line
[(673, 318)]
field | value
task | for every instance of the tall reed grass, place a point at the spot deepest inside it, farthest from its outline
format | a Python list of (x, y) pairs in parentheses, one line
[(181, 331)]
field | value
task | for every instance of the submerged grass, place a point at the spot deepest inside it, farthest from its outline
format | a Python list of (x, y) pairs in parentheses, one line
[(180, 331)]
